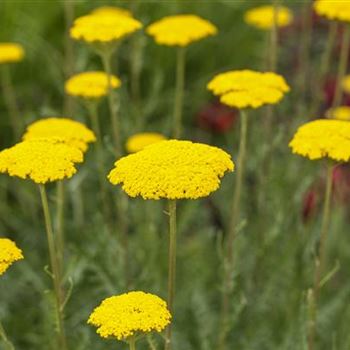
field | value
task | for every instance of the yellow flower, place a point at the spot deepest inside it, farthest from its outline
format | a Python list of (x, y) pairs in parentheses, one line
[(90, 85), (9, 253), (180, 30), (247, 88), (139, 141), (346, 84), (323, 138), (262, 17), (131, 313), (111, 11), (41, 160), (333, 9), (11, 52), (72, 132), (103, 28), (341, 113), (172, 169)]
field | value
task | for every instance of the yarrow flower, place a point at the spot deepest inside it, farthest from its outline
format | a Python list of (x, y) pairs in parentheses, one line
[(323, 138), (333, 10), (72, 132), (103, 28), (129, 314), (90, 85), (346, 84), (41, 160), (247, 88), (262, 17), (341, 113), (138, 142), (9, 253), (11, 52), (172, 169), (111, 11), (180, 30)]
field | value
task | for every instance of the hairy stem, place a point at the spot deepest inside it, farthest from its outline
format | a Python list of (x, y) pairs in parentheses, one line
[(171, 267), (320, 259), (56, 276), (179, 92), (235, 213)]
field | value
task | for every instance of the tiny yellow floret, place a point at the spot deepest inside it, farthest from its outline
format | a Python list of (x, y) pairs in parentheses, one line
[(111, 11), (338, 10), (9, 253), (323, 138), (172, 169), (138, 142), (247, 88), (340, 113), (180, 30), (262, 17), (41, 160), (72, 132), (103, 28), (90, 85), (11, 52), (129, 314)]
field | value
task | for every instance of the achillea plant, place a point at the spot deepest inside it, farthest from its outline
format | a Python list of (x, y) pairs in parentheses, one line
[(130, 316), (180, 31), (9, 253), (327, 139), (103, 33), (262, 17), (340, 113), (42, 161), (138, 142), (337, 11), (175, 170), (241, 89), (11, 53)]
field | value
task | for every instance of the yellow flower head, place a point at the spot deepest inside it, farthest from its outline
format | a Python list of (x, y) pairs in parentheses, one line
[(103, 28), (90, 85), (9, 253), (111, 11), (340, 113), (180, 30), (129, 314), (346, 84), (323, 138), (41, 160), (172, 169), (138, 142), (262, 17), (338, 10), (72, 132), (247, 88), (11, 52)]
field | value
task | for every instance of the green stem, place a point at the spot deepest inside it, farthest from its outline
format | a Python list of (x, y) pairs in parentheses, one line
[(274, 38), (343, 64), (320, 260), (56, 276), (229, 263), (179, 92), (92, 108), (132, 343), (11, 101), (68, 7), (325, 64), (171, 267), (60, 193), (3, 336), (113, 104)]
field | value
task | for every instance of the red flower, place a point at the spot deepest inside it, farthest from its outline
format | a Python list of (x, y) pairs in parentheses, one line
[(216, 117)]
